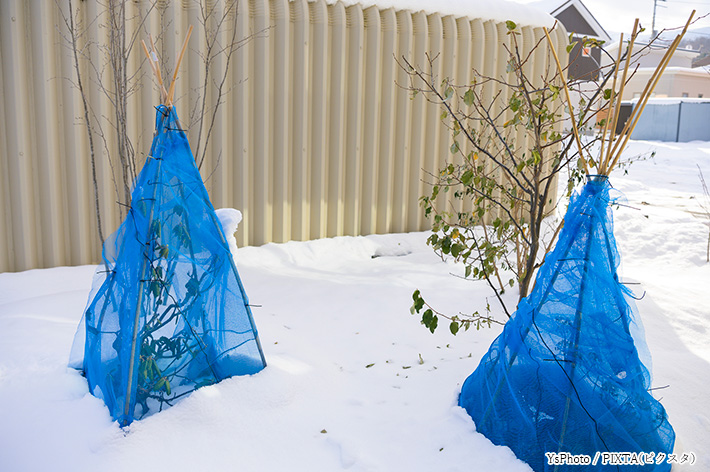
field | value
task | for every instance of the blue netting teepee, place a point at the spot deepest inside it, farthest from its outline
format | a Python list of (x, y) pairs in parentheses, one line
[(565, 374), (169, 313)]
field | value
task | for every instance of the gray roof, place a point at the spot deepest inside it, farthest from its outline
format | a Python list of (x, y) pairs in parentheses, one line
[(584, 22)]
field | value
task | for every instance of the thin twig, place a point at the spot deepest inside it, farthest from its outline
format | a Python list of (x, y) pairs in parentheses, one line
[(89, 129)]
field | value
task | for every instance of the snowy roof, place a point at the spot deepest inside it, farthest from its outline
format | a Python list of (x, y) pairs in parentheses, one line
[(670, 100), (697, 71), (655, 46), (649, 55), (497, 10)]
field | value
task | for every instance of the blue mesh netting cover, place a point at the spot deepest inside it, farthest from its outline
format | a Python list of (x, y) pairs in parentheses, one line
[(565, 374), (167, 313)]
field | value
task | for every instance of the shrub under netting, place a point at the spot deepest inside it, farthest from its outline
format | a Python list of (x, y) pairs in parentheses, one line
[(565, 374), (168, 312)]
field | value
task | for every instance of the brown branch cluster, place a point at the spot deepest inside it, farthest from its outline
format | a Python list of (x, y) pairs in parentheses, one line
[(511, 143), (104, 67)]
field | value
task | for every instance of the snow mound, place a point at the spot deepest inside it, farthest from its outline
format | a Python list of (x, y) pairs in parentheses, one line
[(230, 218)]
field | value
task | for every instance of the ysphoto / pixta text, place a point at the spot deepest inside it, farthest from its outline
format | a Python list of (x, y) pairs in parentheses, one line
[(619, 458)]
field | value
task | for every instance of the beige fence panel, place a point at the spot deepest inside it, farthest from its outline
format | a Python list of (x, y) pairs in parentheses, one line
[(316, 137)]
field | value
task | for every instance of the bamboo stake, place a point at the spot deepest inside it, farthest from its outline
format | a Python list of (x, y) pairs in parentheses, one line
[(150, 60), (645, 95), (171, 91), (164, 93), (643, 99), (633, 119), (636, 114), (157, 64), (156, 71), (610, 112), (622, 86), (569, 101)]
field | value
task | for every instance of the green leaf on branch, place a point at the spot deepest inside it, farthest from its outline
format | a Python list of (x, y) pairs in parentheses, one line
[(418, 302), (427, 316), (536, 157), (454, 327), (446, 245), (469, 97), (514, 103), (430, 320), (448, 93)]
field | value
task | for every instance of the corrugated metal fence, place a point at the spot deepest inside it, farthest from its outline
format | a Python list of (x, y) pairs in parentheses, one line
[(315, 138), (679, 120)]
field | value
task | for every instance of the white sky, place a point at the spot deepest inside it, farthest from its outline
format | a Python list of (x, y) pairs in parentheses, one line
[(618, 15)]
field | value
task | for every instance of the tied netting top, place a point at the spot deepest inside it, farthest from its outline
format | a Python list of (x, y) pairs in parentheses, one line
[(167, 313), (565, 374)]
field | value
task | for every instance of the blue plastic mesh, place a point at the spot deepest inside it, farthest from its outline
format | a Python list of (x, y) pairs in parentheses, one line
[(565, 374), (170, 313)]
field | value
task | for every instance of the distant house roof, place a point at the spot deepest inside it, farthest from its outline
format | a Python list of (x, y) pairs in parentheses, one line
[(701, 61), (575, 17)]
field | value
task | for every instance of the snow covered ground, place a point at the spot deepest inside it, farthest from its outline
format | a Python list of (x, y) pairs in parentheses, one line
[(353, 381)]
